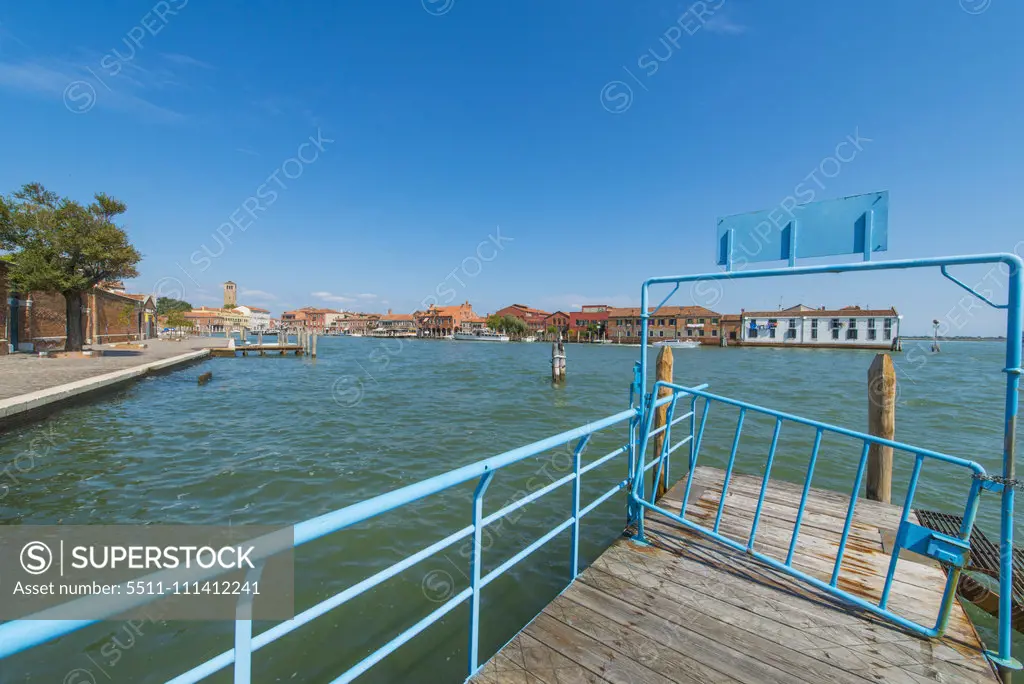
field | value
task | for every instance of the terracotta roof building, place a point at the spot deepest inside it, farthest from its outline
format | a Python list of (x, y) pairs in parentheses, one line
[(670, 322), (441, 321)]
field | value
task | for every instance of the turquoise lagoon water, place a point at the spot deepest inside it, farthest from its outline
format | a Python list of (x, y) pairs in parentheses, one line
[(278, 440)]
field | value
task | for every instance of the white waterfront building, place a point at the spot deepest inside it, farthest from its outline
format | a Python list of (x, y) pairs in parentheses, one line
[(803, 326), (258, 319)]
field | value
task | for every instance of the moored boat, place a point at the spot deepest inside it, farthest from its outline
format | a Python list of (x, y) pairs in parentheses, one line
[(678, 344), (483, 335)]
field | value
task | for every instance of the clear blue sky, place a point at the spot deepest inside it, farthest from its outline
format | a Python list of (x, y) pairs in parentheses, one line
[(450, 118)]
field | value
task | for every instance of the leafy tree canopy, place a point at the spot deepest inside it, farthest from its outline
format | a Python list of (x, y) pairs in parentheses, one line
[(59, 245), (167, 305), (176, 319)]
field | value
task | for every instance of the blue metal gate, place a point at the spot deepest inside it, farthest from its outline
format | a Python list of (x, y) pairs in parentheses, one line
[(831, 228)]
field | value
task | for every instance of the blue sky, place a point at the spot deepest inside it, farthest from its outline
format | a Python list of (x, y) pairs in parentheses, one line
[(602, 139)]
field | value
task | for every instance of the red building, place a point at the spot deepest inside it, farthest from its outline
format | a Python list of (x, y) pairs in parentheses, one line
[(535, 319), (589, 323)]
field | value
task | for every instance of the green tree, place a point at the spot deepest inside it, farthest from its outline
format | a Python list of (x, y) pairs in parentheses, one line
[(176, 319), (168, 305), (60, 245), (496, 323)]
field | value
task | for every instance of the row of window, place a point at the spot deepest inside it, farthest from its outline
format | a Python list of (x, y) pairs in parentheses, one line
[(660, 321), (679, 333)]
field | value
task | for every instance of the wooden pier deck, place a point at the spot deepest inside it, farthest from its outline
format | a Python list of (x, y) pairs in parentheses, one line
[(686, 609)]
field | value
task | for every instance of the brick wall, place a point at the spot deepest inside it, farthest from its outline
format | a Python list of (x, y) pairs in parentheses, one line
[(44, 323), (5, 311)]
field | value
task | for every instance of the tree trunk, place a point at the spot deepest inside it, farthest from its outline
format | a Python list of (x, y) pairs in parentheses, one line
[(73, 317)]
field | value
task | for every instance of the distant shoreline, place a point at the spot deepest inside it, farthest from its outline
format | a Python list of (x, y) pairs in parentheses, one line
[(955, 339)]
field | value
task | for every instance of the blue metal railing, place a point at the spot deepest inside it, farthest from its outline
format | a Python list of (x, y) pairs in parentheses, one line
[(697, 396), (1014, 308), (19, 635)]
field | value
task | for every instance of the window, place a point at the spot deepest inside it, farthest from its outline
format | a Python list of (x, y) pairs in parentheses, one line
[(851, 330), (715, 321), (701, 333), (791, 333), (834, 323), (752, 332), (835, 333), (689, 320), (661, 321), (714, 333), (650, 333), (732, 334), (814, 328), (671, 321), (700, 320), (887, 328), (689, 332)]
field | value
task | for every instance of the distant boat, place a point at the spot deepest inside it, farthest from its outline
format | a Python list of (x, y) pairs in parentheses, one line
[(531, 338), (481, 336), (678, 344)]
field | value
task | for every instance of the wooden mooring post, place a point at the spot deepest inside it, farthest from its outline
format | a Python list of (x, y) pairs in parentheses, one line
[(663, 369), (881, 423), (313, 346), (557, 360)]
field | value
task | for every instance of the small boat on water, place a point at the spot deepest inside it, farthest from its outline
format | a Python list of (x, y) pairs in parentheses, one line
[(481, 336), (531, 338), (678, 344)]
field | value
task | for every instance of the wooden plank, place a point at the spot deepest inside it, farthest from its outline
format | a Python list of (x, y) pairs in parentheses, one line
[(526, 660), (688, 609), (747, 656), (911, 601), (590, 653), (674, 665)]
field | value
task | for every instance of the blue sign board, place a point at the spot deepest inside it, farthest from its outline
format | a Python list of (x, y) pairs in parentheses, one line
[(850, 225)]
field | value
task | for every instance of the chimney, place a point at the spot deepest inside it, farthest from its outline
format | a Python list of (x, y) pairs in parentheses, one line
[(389, 312)]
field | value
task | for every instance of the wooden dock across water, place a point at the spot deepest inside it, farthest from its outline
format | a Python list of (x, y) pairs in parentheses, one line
[(687, 609)]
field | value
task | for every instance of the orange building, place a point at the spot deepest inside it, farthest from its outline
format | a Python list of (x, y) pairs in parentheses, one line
[(441, 321)]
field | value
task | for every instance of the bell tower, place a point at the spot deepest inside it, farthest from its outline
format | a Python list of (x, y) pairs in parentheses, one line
[(230, 295)]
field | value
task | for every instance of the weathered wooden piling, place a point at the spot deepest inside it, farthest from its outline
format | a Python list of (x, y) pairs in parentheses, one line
[(313, 349), (205, 377), (259, 338), (557, 360), (663, 370), (881, 423)]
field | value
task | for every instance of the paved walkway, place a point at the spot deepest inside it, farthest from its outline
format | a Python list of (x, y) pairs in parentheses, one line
[(25, 373)]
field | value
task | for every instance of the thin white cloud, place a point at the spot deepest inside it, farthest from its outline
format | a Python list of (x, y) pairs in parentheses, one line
[(246, 150), (724, 25), (366, 295), (185, 60), (330, 297), (258, 294), (80, 88)]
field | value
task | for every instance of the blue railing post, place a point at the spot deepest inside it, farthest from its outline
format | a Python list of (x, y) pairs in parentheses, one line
[(849, 512), (764, 483), (728, 470), (908, 504), (803, 497), (1014, 336), (577, 458), (474, 605), (243, 629)]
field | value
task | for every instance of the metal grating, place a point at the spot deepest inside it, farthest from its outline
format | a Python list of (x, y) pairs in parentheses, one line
[(984, 554)]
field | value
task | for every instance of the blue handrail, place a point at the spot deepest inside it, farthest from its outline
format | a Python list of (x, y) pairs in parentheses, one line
[(19, 635)]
